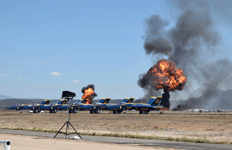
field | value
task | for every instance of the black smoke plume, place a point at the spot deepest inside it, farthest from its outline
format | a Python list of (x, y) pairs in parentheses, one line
[(190, 44)]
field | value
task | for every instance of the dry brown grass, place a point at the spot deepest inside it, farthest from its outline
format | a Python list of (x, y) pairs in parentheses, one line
[(211, 126)]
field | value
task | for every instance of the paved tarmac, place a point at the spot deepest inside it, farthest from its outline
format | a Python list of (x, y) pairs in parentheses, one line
[(128, 141)]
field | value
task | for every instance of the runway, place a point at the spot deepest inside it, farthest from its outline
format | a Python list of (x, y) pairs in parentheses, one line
[(127, 143)]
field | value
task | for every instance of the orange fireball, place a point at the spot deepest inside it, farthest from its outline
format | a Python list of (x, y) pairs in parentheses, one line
[(88, 95), (165, 75)]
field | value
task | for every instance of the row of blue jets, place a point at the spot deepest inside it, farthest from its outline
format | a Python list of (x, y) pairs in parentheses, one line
[(36, 108), (126, 104), (103, 104), (28, 106)]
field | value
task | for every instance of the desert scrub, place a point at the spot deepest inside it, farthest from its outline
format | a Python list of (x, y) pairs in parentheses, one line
[(183, 139), (33, 129), (40, 130), (51, 131)]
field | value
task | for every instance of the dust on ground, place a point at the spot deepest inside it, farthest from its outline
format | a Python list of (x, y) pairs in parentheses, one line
[(211, 126)]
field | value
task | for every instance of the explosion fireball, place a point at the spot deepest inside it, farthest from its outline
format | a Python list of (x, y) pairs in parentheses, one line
[(164, 75), (88, 96), (88, 93)]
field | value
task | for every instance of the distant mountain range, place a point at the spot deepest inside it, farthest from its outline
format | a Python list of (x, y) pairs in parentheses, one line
[(2, 97), (5, 97)]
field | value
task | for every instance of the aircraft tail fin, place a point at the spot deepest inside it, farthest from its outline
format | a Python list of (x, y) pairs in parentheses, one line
[(104, 101), (152, 100), (62, 101), (131, 100), (127, 100), (46, 102), (155, 101)]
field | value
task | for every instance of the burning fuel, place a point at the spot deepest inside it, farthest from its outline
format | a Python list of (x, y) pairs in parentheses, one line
[(164, 75), (88, 93)]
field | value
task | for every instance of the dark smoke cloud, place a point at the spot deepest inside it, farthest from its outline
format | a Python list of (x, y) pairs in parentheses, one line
[(156, 26), (209, 101), (189, 43), (218, 75), (158, 46), (155, 42), (89, 86)]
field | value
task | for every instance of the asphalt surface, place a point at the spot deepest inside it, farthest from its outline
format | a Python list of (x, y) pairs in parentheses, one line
[(127, 141)]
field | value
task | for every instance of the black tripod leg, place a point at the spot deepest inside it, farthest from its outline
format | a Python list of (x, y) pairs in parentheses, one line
[(60, 129), (75, 130)]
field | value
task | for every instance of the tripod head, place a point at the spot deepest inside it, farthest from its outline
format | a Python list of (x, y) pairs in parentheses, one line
[(68, 95)]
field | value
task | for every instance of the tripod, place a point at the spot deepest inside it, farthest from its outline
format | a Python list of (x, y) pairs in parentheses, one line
[(67, 123)]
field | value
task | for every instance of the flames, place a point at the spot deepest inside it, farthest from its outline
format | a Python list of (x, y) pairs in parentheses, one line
[(88, 95), (165, 75)]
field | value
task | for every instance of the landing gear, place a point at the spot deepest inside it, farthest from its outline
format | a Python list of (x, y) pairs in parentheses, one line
[(96, 111), (72, 111), (91, 111), (36, 110), (117, 111), (53, 111), (144, 111)]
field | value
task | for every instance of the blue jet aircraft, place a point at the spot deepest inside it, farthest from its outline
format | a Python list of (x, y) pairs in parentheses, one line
[(27, 106), (16, 107), (74, 108), (117, 109), (153, 104), (127, 100), (43, 106), (61, 105), (82, 106)]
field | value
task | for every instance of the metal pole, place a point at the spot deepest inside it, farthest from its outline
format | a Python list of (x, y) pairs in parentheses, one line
[(67, 118)]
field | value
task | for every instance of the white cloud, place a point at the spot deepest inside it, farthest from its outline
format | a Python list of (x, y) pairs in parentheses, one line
[(55, 74), (76, 81)]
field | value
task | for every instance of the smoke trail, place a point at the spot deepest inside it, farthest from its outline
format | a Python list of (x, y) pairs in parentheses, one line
[(189, 43)]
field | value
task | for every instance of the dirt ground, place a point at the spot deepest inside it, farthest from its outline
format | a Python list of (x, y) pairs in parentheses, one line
[(215, 126)]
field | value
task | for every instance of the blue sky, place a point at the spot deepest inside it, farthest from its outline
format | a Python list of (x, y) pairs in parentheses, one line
[(50, 46)]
